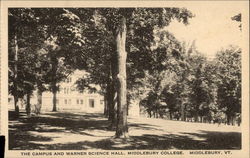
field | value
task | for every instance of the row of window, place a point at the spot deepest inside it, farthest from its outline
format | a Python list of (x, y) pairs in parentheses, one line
[(79, 101), (68, 80), (68, 90)]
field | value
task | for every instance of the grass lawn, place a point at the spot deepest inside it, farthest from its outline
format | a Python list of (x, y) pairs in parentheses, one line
[(79, 131)]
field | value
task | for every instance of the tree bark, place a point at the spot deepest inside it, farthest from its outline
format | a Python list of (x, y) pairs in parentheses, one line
[(201, 119), (28, 105), (54, 82), (196, 114), (113, 91), (122, 128), (170, 115), (16, 105), (183, 116), (54, 100), (112, 97), (106, 108), (39, 101), (228, 119), (196, 118), (15, 93), (114, 111), (149, 113)]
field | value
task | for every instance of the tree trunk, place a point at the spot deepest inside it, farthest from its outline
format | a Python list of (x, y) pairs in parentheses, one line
[(39, 101), (196, 117), (122, 127), (149, 113), (233, 120), (170, 115), (114, 111), (106, 108), (16, 105), (154, 114), (201, 119), (54, 80), (183, 116), (110, 98), (28, 105), (228, 119), (113, 91), (157, 112), (15, 93), (54, 100), (112, 104)]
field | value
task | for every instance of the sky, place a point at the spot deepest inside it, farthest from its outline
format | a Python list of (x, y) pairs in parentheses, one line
[(211, 28)]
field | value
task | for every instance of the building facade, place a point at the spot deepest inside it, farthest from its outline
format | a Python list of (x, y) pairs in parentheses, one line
[(69, 98)]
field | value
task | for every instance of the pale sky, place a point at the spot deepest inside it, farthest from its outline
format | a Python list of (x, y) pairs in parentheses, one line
[(212, 28)]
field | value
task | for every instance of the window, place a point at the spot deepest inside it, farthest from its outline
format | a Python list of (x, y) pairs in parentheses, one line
[(77, 101), (69, 101), (65, 91), (81, 101), (65, 101), (61, 90), (91, 103), (101, 101), (9, 99), (68, 80)]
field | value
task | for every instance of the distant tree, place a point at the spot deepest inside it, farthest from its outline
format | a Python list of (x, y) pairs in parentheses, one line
[(229, 82), (23, 29), (200, 96), (162, 61), (63, 38)]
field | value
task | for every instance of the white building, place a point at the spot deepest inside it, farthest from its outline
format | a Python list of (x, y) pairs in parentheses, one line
[(68, 98), (71, 99)]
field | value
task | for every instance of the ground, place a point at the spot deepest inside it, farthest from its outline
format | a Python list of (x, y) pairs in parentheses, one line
[(77, 131)]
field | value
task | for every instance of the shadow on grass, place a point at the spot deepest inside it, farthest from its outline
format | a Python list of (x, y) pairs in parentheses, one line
[(20, 136), (229, 140)]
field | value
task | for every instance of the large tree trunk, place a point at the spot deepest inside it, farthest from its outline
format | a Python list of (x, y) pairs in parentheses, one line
[(122, 127), (113, 92), (114, 112), (112, 97), (109, 102)]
